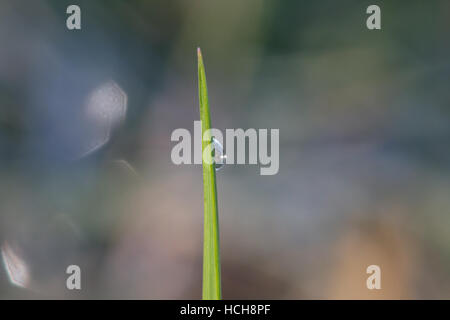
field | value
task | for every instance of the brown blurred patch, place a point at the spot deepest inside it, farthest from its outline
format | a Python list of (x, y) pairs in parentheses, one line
[(251, 278), (378, 242)]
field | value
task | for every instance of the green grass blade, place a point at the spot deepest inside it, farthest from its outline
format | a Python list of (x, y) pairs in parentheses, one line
[(211, 256)]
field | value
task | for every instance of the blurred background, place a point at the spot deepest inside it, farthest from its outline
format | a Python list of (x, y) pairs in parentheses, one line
[(86, 176)]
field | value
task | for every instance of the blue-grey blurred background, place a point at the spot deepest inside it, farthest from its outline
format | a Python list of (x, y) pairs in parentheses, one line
[(86, 176)]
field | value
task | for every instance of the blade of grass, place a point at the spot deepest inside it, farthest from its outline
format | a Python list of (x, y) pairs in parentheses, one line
[(211, 255)]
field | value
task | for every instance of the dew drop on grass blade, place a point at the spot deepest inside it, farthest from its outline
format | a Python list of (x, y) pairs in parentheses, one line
[(211, 251)]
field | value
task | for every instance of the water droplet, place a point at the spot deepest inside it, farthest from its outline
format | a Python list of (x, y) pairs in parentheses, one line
[(219, 157)]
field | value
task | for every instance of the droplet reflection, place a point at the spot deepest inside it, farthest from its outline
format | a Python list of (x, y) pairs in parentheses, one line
[(107, 104), (15, 267), (219, 157), (105, 109)]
